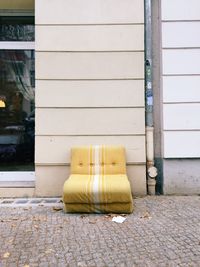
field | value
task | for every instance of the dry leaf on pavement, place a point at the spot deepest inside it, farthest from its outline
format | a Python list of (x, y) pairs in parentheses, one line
[(57, 208), (92, 222), (6, 255), (146, 215)]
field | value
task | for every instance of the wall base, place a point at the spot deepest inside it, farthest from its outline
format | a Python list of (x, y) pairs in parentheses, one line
[(181, 176), (13, 192)]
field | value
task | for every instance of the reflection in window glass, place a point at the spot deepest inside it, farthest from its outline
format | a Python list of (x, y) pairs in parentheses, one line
[(17, 29), (17, 116), (16, 33)]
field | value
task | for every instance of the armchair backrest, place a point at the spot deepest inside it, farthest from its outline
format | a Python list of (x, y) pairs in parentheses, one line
[(94, 160)]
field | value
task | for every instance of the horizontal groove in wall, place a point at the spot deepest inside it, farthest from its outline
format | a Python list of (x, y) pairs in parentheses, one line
[(96, 107), (180, 21), (68, 165), (173, 75), (182, 102), (92, 24), (181, 48), (181, 130), (77, 135), (99, 79), (100, 107), (92, 51)]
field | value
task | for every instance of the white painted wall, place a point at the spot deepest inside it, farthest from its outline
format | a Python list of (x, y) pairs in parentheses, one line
[(181, 78), (89, 85)]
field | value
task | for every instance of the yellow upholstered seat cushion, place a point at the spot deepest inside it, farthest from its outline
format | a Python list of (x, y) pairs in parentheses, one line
[(97, 189)]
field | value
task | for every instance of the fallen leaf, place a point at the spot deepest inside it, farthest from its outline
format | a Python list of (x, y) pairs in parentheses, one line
[(6, 220), (92, 222), (146, 215), (6, 255), (110, 215), (57, 208), (49, 251), (27, 208)]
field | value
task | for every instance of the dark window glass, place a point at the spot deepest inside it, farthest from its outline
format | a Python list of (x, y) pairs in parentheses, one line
[(17, 29), (17, 115)]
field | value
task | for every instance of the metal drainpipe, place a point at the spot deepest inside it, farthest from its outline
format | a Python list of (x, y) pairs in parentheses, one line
[(151, 169)]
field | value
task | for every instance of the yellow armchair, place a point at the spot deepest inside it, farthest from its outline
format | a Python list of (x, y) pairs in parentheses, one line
[(98, 181)]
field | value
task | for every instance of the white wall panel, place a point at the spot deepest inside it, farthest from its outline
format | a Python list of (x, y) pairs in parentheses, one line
[(110, 93), (90, 38), (181, 89), (182, 144), (90, 121), (89, 11), (59, 147), (180, 10), (181, 116), (181, 34), (114, 65), (184, 61)]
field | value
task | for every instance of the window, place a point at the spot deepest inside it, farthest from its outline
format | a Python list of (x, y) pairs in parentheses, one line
[(17, 94)]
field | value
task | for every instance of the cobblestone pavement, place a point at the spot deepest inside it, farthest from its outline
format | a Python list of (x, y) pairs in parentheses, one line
[(162, 231)]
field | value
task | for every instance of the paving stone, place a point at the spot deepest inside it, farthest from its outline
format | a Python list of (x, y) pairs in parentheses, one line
[(162, 231)]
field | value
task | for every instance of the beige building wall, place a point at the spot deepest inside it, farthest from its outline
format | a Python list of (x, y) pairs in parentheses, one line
[(89, 85)]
